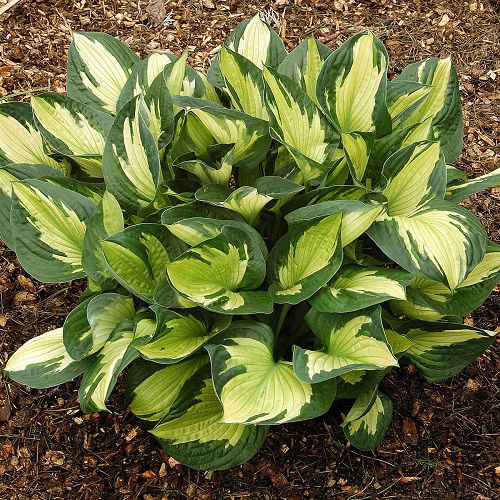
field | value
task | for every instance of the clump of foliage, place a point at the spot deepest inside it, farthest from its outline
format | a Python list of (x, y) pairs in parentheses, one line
[(257, 241)]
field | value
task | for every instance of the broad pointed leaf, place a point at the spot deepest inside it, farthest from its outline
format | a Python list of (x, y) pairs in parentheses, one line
[(458, 191)]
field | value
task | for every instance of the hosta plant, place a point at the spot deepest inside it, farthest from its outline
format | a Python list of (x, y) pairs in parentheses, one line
[(258, 241)]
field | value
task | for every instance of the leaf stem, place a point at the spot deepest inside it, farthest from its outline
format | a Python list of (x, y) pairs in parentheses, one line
[(281, 319)]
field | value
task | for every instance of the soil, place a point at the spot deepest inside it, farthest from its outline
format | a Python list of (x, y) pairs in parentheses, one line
[(443, 442)]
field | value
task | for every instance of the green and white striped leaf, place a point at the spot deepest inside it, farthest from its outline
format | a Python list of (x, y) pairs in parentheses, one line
[(48, 226), (303, 65), (248, 201), (182, 334), (106, 221), (243, 82), (8, 175), (94, 191), (249, 135), (357, 287), (193, 433), (351, 341), (357, 148), (437, 99), (297, 122), (20, 141), (458, 191), (258, 42), (98, 69), (466, 297), (73, 128), (416, 175), (43, 362), (305, 258), (351, 86), (368, 420), (151, 389), (222, 273), (253, 387), (138, 256), (441, 242), (101, 375), (131, 163), (441, 349), (77, 335)]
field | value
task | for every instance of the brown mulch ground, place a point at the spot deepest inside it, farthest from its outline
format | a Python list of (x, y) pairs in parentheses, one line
[(443, 442)]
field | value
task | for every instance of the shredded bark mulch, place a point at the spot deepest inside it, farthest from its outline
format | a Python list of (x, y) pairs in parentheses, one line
[(443, 442)]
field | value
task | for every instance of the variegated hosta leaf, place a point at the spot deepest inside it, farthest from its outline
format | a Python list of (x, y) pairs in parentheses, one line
[(258, 42), (415, 310), (249, 135), (352, 341), (458, 191), (437, 101), (138, 256), (305, 259), (368, 420), (77, 335), (131, 164), (219, 273), (357, 287), (466, 297), (43, 362), (73, 129), (106, 221), (441, 242), (441, 350), (297, 122), (253, 387), (8, 175), (48, 226), (20, 141), (98, 69), (352, 84), (357, 148), (248, 201), (454, 174), (192, 430), (243, 81), (150, 388), (416, 175), (357, 216), (303, 65), (182, 334), (94, 191), (120, 350)]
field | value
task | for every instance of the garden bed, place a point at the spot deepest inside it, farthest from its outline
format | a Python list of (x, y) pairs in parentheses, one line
[(443, 439)]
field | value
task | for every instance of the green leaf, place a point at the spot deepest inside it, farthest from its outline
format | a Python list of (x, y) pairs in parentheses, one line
[(219, 273), (118, 352), (8, 175), (253, 387), (442, 349), (357, 287), (43, 362), (131, 163), (138, 256), (243, 81), (48, 226), (77, 335), (458, 191), (248, 201), (441, 242), (303, 65), (437, 101), (352, 341), (151, 389), (106, 221), (368, 420), (98, 69), (182, 334), (305, 259), (73, 129), (20, 141), (297, 122), (249, 135), (351, 86), (192, 431)]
